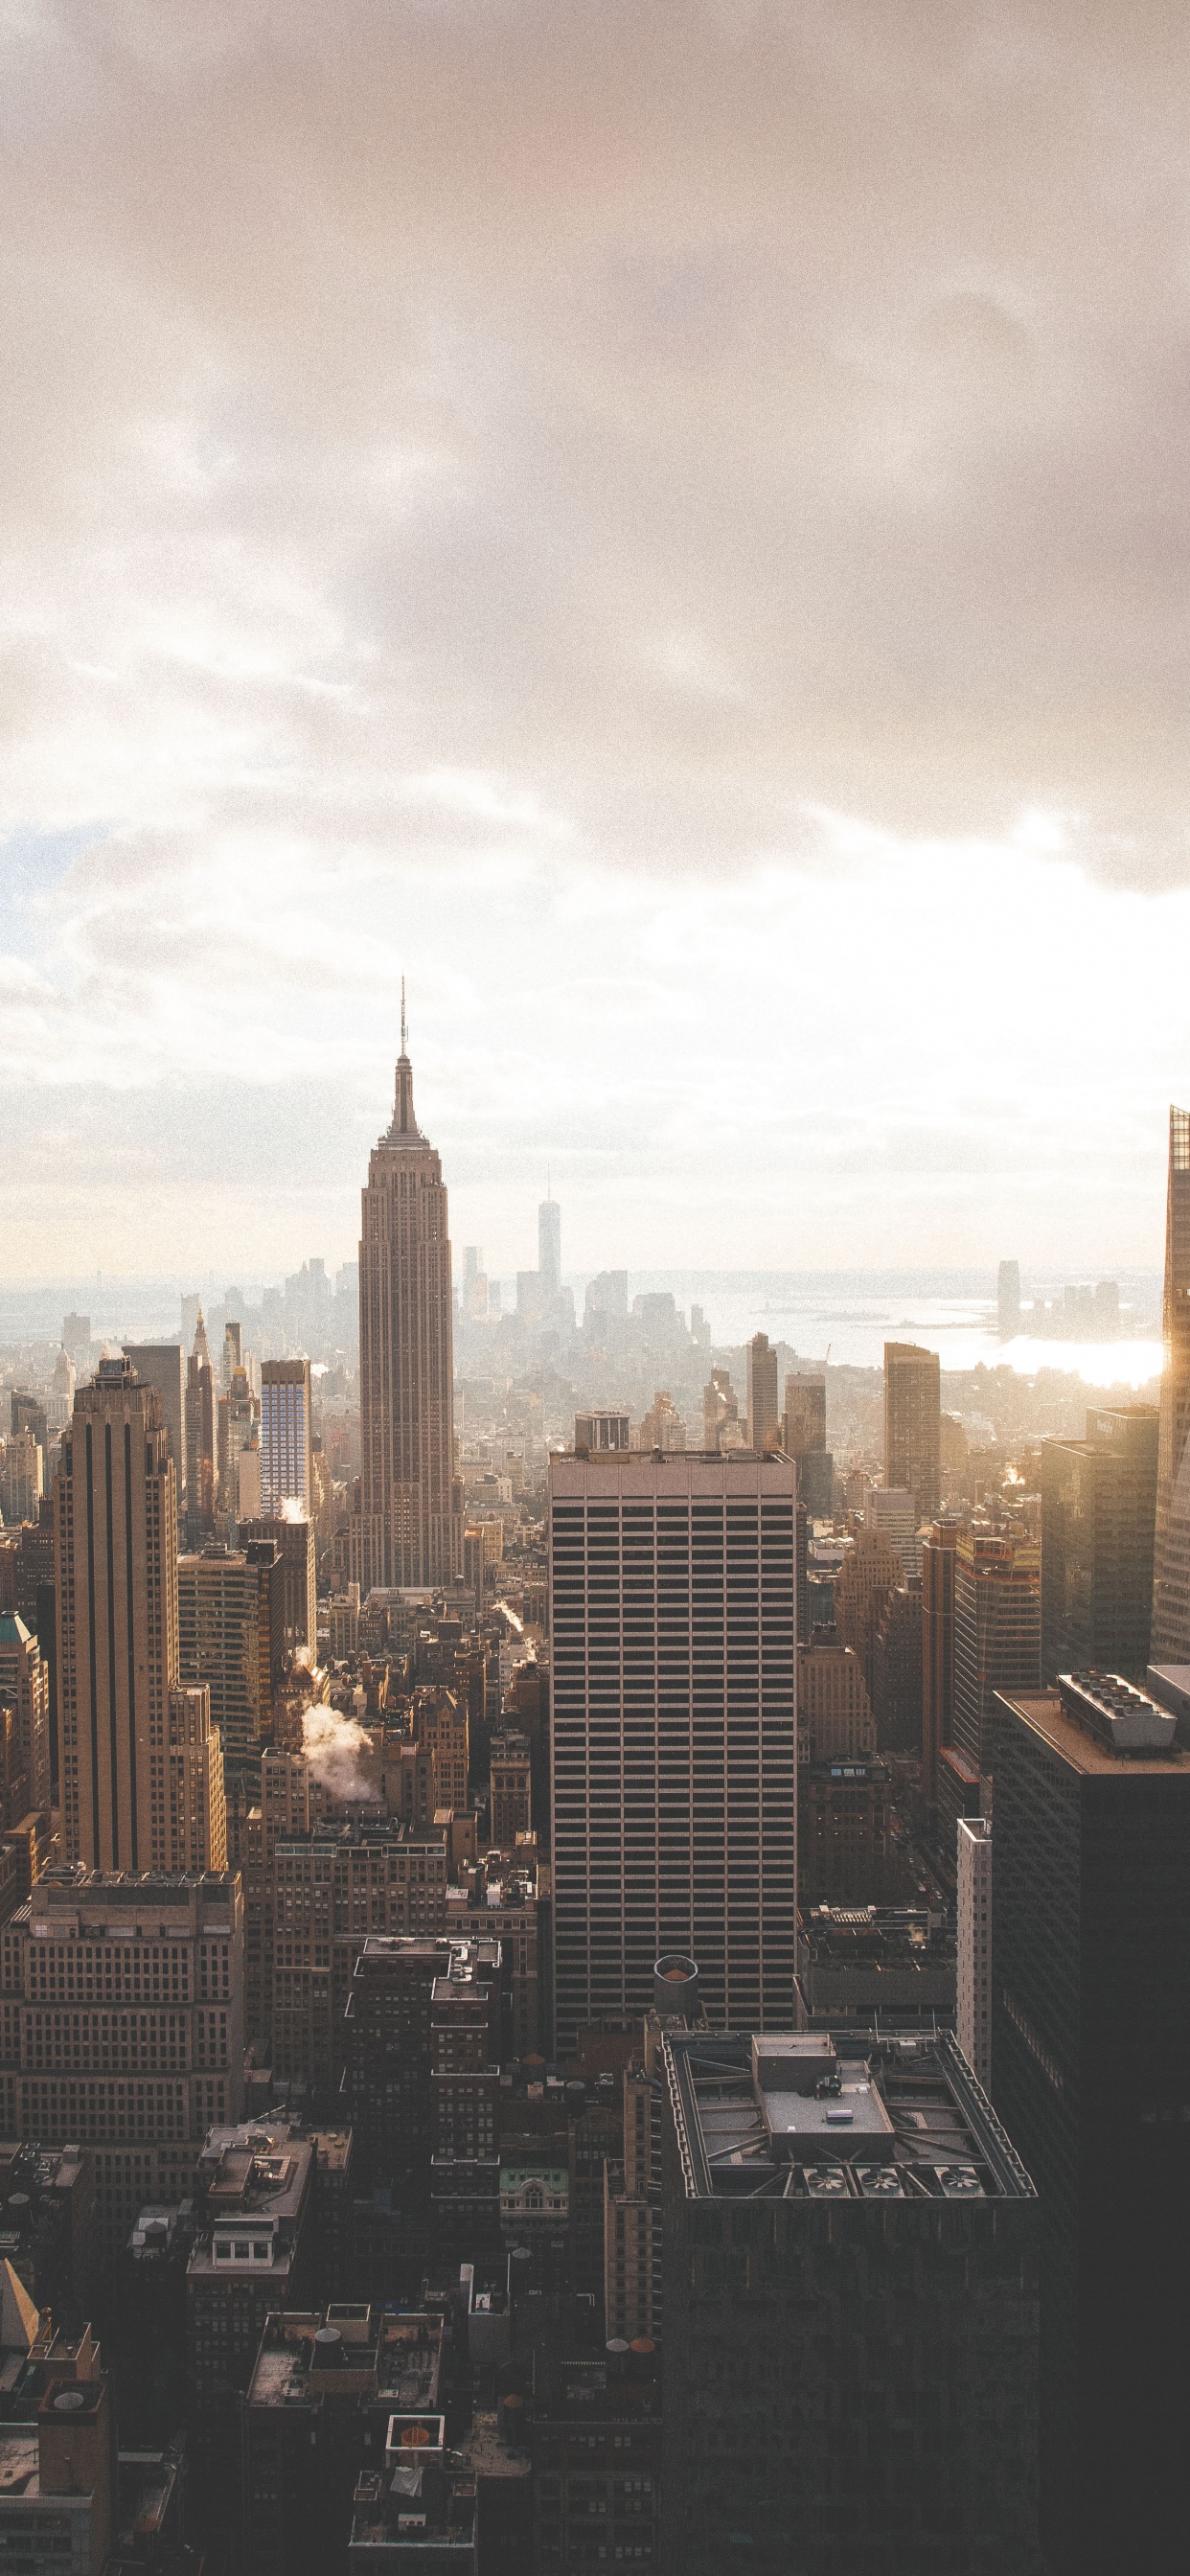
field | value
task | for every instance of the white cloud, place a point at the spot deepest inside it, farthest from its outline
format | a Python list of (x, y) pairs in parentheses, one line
[(668, 526)]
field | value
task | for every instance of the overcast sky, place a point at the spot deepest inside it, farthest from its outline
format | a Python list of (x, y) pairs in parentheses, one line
[(668, 523)]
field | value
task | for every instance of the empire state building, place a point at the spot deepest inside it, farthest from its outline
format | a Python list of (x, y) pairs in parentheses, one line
[(411, 1517)]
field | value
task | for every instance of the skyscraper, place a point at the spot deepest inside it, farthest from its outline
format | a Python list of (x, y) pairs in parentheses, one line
[(1008, 1300), (162, 1364), (870, 1571), (973, 1980), (141, 1777), (25, 1688), (672, 1606), (912, 1415), (764, 1418), (549, 1248), (997, 1632), (1098, 1501), (937, 1650), (226, 1606), (200, 1438), (285, 1474), (803, 1436), (1171, 1554), (850, 2325), (1091, 2074), (805, 1413), (412, 1528), (293, 1539)]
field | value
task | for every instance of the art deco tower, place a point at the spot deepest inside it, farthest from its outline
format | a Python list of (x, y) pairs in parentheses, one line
[(1171, 1559), (141, 1773), (411, 1528)]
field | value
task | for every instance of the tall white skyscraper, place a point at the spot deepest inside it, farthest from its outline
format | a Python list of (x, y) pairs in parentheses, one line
[(672, 1610), (285, 1474)]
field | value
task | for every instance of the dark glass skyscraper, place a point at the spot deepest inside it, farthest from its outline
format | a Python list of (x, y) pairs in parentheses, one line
[(1091, 2077), (1098, 1500), (1171, 1556)]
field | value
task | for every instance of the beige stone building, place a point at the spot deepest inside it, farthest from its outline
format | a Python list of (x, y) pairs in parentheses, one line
[(122, 2026), (834, 1713), (141, 1771), (411, 1509)]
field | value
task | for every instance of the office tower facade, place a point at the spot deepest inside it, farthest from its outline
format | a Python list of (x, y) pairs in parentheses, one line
[(25, 1688), (510, 1796), (912, 1417), (822, 2200), (805, 1413), (226, 1643), (897, 1670), (870, 1571), (997, 1633), (1091, 2071), (892, 1510), (200, 1439), (608, 1429), (285, 1473), (1008, 1300), (662, 1426), (549, 1249), (803, 1436), (326, 1888), (390, 2053), (293, 1541), (123, 2026), (1098, 1510), (237, 1437), (937, 1650), (162, 1365), (834, 1713), (1170, 1642), (28, 1413), (672, 1613), (764, 1416), (845, 1832), (411, 1525), (973, 1965), (141, 1777), (22, 1476), (721, 1426)]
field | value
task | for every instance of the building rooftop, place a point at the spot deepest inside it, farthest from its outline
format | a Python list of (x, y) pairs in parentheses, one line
[(1081, 1750), (875, 1936), (18, 2462), (833, 2115), (304, 2357), (409, 2362)]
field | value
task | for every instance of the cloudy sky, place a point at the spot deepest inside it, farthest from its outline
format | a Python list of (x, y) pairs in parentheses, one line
[(665, 521)]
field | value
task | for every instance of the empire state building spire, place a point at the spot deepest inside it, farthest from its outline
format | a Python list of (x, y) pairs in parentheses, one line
[(404, 1122), (411, 1513)]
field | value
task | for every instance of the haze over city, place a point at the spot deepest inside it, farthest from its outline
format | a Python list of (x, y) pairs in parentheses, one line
[(664, 526)]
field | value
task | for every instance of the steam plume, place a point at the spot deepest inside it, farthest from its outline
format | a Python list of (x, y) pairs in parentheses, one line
[(338, 1752)]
